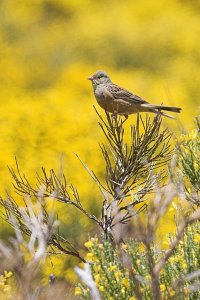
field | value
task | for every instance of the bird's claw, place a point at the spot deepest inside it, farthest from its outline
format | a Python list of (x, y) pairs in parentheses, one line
[(114, 116), (126, 118)]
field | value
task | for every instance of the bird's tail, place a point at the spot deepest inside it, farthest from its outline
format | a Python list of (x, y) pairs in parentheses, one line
[(166, 115), (168, 108), (160, 108)]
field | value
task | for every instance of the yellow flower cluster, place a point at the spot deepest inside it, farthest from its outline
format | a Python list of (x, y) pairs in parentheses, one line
[(112, 268), (125, 282), (162, 288), (5, 288), (172, 292), (93, 242), (81, 291), (78, 291), (192, 135), (197, 238), (105, 275), (174, 259), (109, 274)]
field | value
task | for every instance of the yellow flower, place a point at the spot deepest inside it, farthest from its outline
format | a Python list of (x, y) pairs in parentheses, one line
[(91, 257), (182, 138), (95, 268), (101, 288), (7, 274), (99, 268), (112, 268), (174, 259), (171, 259), (117, 275), (184, 265), (88, 244), (148, 277), (78, 291), (171, 209), (132, 298), (172, 292), (91, 243), (197, 238), (138, 262), (192, 135), (186, 150), (162, 287), (123, 290), (96, 278), (125, 282)]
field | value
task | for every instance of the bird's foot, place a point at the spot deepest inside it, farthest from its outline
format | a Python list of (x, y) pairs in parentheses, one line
[(126, 118), (114, 116)]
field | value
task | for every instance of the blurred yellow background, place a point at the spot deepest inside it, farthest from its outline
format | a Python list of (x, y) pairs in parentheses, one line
[(48, 48)]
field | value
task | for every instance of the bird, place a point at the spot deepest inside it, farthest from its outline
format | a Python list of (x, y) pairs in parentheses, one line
[(119, 101)]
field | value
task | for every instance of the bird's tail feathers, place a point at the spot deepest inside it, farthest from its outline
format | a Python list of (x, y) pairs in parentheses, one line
[(166, 115), (167, 108)]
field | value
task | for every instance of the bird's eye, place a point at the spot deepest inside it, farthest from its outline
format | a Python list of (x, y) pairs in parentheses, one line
[(99, 76)]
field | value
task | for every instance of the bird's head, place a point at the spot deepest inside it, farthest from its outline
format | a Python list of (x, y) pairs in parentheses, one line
[(100, 77)]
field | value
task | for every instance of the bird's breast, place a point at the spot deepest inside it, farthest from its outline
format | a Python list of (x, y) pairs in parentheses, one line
[(101, 99)]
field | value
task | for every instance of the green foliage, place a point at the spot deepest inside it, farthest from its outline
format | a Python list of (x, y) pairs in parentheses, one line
[(123, 272), (187, 171), (139, 269)]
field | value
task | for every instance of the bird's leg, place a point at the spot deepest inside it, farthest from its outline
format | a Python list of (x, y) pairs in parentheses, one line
[(114, 117), (126, 118)]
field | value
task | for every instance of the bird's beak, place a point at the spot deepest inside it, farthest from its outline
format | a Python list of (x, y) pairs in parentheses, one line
[(90, 78)]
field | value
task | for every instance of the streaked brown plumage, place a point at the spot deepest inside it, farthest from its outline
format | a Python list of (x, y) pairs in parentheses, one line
[(119, 101)]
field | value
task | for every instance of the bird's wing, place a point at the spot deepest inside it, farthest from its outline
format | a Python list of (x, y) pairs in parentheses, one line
[(118, 92)]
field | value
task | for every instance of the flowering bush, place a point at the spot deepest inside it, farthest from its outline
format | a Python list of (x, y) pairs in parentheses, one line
[(129, 262), (139, 268), (187, 172), (123, 272)]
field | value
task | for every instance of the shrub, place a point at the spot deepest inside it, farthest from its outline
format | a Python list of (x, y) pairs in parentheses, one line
[(135, 192)]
